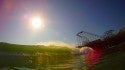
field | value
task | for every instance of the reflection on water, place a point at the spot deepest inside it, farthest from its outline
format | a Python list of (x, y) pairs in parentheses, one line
[(42, 62)]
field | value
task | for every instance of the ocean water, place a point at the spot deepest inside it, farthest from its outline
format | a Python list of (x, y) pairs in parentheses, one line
[(114, 61), (42, 62)]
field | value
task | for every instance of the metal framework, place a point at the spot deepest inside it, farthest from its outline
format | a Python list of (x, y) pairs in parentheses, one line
[(84, 37)]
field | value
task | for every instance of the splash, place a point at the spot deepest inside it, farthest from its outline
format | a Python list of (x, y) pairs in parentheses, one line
[(55, 43)]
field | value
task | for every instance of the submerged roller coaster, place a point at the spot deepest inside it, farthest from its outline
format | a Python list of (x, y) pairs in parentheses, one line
[(107, 40)]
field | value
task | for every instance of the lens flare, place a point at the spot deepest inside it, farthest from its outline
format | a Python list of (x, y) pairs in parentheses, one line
[(92, 55)]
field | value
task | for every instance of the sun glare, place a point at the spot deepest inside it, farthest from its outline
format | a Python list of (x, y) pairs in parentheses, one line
[(37, 23)]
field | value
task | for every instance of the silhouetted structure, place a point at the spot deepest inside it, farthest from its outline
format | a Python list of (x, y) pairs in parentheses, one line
[(108, 40)]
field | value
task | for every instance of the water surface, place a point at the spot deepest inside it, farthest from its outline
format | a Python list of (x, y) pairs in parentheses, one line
[(41, 62)]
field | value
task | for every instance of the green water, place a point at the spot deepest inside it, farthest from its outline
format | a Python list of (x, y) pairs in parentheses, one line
[(46, 61), (24, 57), (39, 57), (41, 62)]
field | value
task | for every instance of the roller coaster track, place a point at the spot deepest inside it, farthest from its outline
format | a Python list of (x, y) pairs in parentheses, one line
[(84, 37), (108, 39)]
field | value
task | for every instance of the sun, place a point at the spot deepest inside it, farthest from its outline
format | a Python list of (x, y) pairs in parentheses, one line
[(37, 23)]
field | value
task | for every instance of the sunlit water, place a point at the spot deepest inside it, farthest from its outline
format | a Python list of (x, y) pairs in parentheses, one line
[(42, 62), (59, 62)]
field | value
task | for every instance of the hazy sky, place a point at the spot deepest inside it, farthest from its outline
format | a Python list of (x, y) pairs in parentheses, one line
[(63, 19)]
